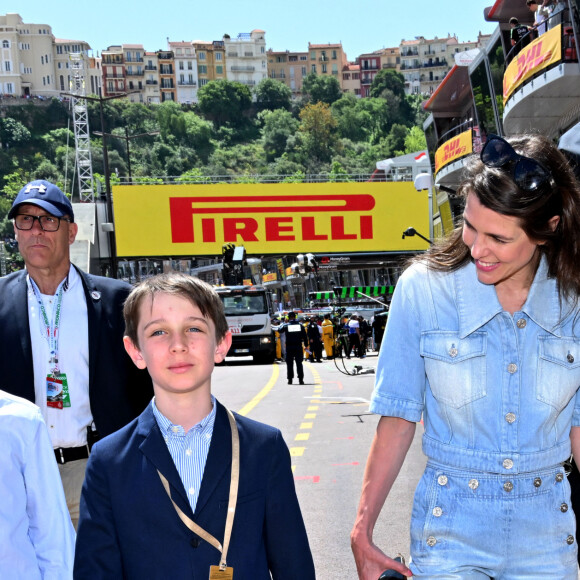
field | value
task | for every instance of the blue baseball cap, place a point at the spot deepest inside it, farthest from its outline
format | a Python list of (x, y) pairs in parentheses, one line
[(45, 195)]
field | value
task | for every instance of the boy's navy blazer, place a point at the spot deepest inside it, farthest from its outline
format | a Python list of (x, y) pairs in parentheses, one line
[(128, 527), (118, 391)]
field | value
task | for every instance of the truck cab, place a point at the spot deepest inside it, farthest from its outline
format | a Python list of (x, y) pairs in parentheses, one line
[(248, 310)]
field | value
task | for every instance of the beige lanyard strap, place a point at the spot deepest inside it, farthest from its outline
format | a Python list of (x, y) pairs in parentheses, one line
[(235, 479)]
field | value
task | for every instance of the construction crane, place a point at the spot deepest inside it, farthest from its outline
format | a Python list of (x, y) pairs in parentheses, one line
[(84, 162)]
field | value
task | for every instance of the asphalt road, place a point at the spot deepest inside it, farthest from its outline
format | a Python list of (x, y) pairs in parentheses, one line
[(328, 429)]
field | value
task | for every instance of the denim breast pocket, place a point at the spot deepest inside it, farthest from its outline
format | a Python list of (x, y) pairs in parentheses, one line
[(558, 370), (455, 366)]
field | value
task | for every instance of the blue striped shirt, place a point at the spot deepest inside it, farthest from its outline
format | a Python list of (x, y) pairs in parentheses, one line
[(188, 450)]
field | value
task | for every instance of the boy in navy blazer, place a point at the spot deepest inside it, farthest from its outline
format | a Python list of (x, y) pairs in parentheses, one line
[(157, 493)]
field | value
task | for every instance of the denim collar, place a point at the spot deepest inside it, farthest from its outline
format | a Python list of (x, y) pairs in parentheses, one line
[(477, 303)]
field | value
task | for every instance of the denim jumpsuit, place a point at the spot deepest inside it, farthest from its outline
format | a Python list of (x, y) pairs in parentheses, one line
[(498, 394)]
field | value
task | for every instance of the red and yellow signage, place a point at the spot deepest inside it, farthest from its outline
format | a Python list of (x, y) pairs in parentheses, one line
[(281, 218), (539, 54), (273, 277), (457, 147)]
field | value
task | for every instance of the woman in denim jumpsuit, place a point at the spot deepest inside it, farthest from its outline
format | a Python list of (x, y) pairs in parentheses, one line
[(483, 343)]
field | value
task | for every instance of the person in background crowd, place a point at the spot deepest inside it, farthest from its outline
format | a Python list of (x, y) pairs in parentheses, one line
[(378, 325), (295, 335), (483, 344), (541, 14), (364, 336), (276, 330), (37, 538), (328, 337), (556, 10), (353, 336), (520, 34), (61, 332), (314, 340)]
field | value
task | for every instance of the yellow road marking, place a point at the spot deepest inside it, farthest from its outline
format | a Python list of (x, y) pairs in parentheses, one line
[(297, 451), (306, 425), (302, 437), (312, 408), (249, 406), (310, 416)]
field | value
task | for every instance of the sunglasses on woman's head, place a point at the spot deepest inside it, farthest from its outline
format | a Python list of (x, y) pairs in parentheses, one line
[(528, 173)]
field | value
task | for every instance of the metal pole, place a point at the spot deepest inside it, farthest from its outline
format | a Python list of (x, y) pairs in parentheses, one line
[(109, 199), (127, 139)]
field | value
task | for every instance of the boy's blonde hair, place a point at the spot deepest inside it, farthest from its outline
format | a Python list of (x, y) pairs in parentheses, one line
[(191, 288)]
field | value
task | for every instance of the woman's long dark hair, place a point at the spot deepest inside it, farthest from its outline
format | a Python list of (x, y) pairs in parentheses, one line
[(496, 190)]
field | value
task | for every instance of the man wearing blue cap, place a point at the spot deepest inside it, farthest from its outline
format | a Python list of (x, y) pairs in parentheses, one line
[(61, 331)]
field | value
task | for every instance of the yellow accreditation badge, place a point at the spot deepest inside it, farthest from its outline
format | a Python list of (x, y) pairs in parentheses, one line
[(216, 574)]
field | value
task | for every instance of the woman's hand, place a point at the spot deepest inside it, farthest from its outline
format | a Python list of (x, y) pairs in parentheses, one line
[(370, 561)]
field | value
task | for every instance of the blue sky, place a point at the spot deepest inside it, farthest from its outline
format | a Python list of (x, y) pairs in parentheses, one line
[(361, 25)]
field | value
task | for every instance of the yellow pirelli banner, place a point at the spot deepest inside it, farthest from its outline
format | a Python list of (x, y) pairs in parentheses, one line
[(280, 218), (539, 54), (455, 148)]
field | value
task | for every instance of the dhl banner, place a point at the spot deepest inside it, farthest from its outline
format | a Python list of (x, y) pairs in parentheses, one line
[(280, 218), (273, 277), (457, 147), (539, 54)]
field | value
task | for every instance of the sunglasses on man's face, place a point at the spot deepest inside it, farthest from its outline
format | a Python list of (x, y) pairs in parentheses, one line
[(528, 173)]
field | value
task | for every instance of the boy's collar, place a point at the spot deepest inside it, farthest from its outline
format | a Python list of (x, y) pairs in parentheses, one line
[(166, 426)]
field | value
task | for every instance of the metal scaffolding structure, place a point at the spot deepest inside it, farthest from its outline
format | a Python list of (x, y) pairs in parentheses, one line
[(84, 162)]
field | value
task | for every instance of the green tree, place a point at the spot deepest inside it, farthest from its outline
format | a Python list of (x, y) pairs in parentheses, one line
[(396, 140), (56, 138), (13, 183), (318, 127), (279, 126), (321, 88), (171, 121), (416, 103), (272, 94), (13, 133), (194, 175), (389, 85), (415, 140), (237, 160), (338, 173), (225, 101), (388, 79), (46, 170), (361, 119), (137, 117), (198, 134)]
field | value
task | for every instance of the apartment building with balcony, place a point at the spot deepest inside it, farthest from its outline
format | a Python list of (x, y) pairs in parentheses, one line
[(113, 67), (246, 57), (351, 79), (289, 68), (26, 58), (167, 82), (391, 58), (211, 61), (134, 58), (370, 65), (63, 49), (35, 63), (185, 71), (151, 91), (327, 59), (425, 62)]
